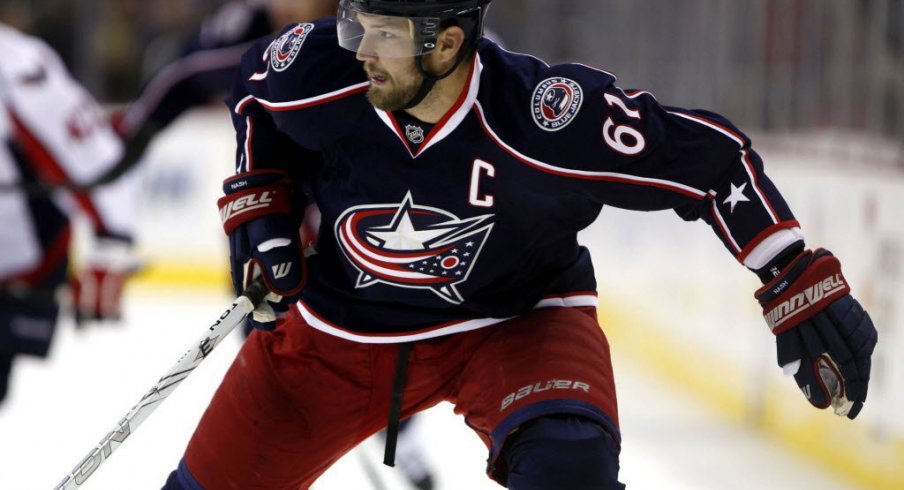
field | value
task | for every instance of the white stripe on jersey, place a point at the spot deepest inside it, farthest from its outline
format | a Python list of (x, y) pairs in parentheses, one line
[(315, 321)]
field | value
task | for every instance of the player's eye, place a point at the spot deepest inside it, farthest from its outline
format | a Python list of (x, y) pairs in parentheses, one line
[(386, 35)]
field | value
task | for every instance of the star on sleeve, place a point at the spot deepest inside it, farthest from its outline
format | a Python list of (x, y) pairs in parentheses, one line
[(736, 196)]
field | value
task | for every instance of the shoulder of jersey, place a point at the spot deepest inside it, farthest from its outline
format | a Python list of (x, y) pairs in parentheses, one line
[(25, 56), (303, 61), (12, 40), (532, 99)]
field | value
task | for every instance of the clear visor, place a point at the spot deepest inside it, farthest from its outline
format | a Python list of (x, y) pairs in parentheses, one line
[(386, 36)]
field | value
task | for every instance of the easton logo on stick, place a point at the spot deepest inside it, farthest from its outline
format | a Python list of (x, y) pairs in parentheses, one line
[(104, 449)]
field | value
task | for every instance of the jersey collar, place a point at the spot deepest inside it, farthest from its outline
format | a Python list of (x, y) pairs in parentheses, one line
[(453, 117)]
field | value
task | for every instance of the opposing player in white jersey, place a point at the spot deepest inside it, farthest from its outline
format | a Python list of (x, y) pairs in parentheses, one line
[(53, 139)]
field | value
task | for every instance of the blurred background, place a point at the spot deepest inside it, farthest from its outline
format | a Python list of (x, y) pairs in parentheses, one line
[(768, 64), (817, 84)]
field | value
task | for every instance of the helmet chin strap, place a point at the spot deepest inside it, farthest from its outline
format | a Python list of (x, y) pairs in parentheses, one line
[(429, 80)]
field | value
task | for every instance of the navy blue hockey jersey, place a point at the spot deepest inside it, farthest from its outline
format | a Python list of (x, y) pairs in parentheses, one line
[(430, 229)]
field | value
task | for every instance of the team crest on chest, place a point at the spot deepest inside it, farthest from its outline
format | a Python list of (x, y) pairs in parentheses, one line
[(556, 102), (411, 246), (285, 48)]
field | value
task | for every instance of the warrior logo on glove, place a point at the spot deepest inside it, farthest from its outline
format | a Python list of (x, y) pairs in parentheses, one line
[(813, 297), (247, 203), (264, 239), (824, 337)]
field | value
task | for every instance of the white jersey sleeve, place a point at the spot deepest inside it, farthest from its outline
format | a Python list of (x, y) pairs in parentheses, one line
[(61, 129)]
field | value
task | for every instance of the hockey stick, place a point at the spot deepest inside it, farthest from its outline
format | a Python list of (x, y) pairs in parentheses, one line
[(231, 318), (370, 471)]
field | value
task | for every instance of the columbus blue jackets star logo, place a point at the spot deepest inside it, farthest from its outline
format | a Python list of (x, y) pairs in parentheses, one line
[(411, 246)]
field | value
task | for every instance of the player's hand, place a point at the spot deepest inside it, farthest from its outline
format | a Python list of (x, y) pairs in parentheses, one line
[(264, 241), (824, 337), (97, 286)]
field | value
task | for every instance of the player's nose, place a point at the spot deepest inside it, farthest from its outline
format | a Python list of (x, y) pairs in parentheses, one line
[(365, 50)]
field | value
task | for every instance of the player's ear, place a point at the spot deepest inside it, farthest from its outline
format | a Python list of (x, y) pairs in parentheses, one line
[(448, 44)]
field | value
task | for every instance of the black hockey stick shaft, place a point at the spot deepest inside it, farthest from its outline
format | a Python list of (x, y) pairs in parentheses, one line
[(231, 318)]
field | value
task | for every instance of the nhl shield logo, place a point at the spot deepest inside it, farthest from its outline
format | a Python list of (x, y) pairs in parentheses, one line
[(415, 134), (284, 49), (556, 101), (410, 246)]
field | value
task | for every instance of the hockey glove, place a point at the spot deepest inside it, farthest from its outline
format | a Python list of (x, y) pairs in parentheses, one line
[(97, 288), (264, 240), (823, 335)]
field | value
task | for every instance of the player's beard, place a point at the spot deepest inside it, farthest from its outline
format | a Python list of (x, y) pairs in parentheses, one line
[(397, 90)]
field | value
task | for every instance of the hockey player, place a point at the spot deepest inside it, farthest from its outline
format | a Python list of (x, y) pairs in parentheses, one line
[(453, 178), (53, 132), (203, 74)]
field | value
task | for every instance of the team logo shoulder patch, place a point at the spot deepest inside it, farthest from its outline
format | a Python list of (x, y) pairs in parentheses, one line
[(285, 48), (556, 102)]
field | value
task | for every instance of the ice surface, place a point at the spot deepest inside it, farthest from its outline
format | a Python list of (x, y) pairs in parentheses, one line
[(59, 408)]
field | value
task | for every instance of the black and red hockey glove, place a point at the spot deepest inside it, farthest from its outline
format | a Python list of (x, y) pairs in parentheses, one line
[(258, 216), (823, 335)]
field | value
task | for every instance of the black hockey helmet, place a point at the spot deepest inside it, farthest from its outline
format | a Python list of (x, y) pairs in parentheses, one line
[(424, 19)]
